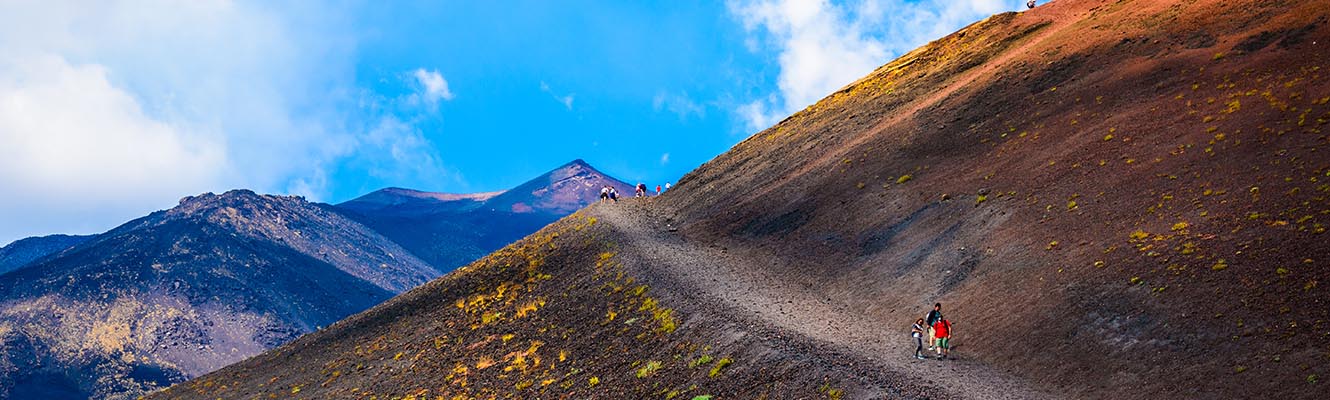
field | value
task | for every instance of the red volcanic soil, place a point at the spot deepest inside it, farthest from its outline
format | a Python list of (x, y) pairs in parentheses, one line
[(1105, 195)]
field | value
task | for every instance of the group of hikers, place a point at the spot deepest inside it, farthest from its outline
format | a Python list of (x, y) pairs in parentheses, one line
[(608, 192), (938, 330)]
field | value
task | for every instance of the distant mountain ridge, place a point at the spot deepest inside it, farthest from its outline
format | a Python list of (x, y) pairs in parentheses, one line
[(449, 230), (26, 250), (221, 277), (404, 200), (187, 290)]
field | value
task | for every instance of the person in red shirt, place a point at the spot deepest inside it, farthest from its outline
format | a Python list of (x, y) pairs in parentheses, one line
[(942, 338)]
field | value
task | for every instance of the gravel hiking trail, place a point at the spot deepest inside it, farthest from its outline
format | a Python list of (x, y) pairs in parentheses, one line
[(731, 285)]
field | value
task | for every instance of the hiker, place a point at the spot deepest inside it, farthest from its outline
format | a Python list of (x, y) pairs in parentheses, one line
[(604, 193), (917, 332), (614, 194), (640, 190), (667, 186), (658, 190), (942, 329), (1030, 4), (930, 319)]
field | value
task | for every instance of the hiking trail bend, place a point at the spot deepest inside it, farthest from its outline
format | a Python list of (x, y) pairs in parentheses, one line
[(733, 286)]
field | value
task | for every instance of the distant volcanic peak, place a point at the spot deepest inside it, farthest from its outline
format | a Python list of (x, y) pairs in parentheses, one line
[(579, 171), (560, 191), (575, 168), (230, 202), (395, 196), (417, 194)]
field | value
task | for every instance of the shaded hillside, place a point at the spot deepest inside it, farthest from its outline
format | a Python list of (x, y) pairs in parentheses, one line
[(26, 250), (1112, 200), (185, 291), (450, 230)]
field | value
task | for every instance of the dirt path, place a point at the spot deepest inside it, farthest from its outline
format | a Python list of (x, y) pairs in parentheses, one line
[(737, 288)]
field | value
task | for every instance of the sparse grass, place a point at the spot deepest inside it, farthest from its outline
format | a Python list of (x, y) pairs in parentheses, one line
[(484, 362), (647, 370), (831, 392), (663, 316), (720, 365), (700, 361)]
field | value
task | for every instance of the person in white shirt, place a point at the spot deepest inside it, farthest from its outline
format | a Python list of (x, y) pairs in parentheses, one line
[(917, 332)]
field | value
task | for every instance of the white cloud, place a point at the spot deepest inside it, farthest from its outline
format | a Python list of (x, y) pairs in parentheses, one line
[(679, 104), (566, 100), (112, 109), (823, 46), (664, 158), (71, 142), (433, 86), (394, 143)]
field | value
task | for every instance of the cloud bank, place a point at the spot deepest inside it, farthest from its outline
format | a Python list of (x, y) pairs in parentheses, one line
[(822, 46), (112, 109)]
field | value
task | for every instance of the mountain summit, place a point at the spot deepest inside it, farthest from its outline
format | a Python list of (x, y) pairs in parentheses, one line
[(1110, 199), (559, 192), (449, 230)]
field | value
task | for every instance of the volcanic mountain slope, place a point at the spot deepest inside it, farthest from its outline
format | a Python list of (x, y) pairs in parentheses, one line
[(185, 291), (1111, 199), (26, 250), (450, 230)]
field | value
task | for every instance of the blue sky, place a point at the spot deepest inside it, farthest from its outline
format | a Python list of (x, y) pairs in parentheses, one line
[(110, 110)]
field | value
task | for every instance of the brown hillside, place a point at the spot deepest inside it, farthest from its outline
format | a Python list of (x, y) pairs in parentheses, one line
[(1112, 200), (1105, 194)]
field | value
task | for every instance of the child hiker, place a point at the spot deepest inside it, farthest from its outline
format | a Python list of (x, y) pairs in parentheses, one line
[(917, 332)]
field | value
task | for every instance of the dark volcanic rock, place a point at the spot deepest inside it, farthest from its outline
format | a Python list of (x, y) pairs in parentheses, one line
[(23, 251), (188, 290)]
